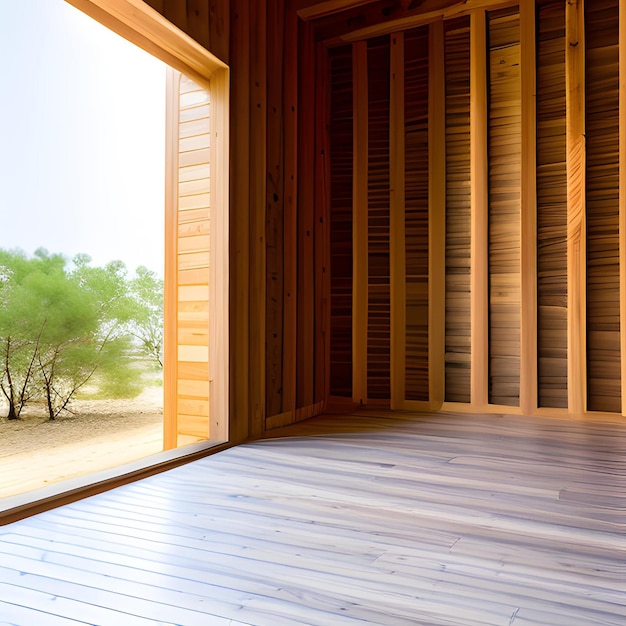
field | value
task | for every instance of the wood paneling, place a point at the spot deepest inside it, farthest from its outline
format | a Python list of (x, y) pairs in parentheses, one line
[(274, 216), (378, 305), (416, 170), (504, 131), (205, 21), (458, 210), (602, 122), (193, 260), (551, 207), (341, 166)]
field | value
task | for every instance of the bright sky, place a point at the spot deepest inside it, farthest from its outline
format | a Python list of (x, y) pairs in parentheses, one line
[(82, 138)]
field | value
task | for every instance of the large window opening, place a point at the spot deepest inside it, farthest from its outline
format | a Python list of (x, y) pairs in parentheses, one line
[(113, 239)]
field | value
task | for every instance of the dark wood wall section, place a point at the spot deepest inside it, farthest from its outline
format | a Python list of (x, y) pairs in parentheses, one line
[(341, 171), (379, 307), (206, 21), (416, 170), (504, 146), (602, 200), (551, 206), (458, 210)]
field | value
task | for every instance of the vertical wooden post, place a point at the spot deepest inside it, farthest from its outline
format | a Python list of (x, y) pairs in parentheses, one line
[(170, 313), (306, 220), (274, 218), (219, 264), (479, 284), (258, 121), (528, 197), (397, 224), (359, 225), (290, 196), (240, 233), (622, 191), (322, 235), (576, 244), (436, 217)]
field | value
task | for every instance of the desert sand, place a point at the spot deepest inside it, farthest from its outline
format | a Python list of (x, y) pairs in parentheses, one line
[(96, 435)]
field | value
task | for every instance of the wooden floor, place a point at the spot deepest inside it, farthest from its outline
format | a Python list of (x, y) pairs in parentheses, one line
[(442, 519)]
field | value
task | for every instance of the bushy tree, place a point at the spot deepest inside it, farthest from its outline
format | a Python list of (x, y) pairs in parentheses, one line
[(60, 327), (146, 291)]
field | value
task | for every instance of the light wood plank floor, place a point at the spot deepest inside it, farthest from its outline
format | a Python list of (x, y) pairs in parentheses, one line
[(437, 520)]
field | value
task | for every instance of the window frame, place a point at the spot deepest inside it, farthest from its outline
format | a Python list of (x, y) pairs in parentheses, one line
[(145, 27)]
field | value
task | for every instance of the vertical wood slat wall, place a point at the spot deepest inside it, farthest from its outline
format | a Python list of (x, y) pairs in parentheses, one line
[(554, 301), (507, 161)]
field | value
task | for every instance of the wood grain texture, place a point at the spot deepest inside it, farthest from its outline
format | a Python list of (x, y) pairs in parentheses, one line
[(341, 195), (551, 207), (479, 203), (576, 226), (458, 210), (378, 224), (397, 206), (602, 121), (436, 520), (504, 247), (416, 219)]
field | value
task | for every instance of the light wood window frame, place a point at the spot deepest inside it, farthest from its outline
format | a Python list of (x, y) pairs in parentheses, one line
[(148, 29), (143, 26)]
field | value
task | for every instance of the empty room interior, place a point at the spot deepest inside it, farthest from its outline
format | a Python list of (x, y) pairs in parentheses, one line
[(394, 298)]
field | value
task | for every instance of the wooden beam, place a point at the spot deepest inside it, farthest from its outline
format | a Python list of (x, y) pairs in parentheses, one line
[(381, 18), (576, 228), (528, 199), (219, 265), (142, 25), (306, 218), (170, 296), (360, 225), (321, 229), (479, 286), (274, 207), (239, 217), (397, 224), (258, 122), (436, 218), (313, 9), (290, 212), (622, 192)]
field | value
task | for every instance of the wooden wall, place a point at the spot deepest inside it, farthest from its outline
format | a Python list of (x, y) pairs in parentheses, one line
[(529, 189), (424, 204)]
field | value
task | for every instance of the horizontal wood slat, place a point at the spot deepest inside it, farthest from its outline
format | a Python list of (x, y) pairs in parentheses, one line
[(193, 252)]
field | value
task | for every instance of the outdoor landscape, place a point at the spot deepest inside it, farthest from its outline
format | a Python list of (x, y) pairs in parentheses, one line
[(80, 365)]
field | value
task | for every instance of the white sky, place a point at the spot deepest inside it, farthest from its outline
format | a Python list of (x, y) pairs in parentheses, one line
[(82, 138)]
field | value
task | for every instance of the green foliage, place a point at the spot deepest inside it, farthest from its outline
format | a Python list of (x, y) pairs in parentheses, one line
[(147, 320), (60, 327)]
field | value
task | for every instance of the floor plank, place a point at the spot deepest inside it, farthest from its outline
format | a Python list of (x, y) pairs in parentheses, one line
[(387, 519)]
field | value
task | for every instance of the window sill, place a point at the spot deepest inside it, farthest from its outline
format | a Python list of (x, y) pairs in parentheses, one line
[(24, 505)]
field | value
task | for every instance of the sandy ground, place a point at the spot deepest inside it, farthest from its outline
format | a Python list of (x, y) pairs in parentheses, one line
[(97, 435)]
